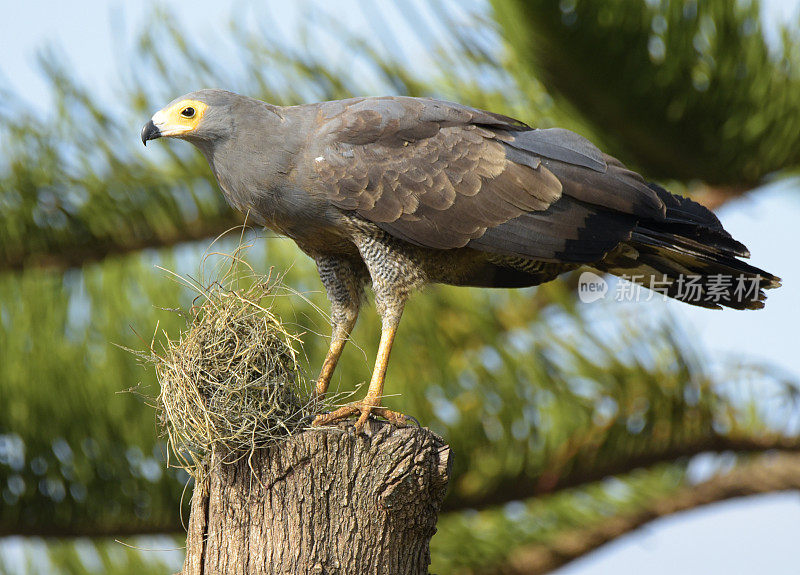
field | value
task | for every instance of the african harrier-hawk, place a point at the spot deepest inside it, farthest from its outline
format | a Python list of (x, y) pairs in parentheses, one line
[(401, 192)]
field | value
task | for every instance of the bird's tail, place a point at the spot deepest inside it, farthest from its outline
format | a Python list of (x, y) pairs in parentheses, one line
[(690, 257)]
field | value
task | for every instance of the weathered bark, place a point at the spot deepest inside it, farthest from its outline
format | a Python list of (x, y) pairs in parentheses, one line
[(324, 501)]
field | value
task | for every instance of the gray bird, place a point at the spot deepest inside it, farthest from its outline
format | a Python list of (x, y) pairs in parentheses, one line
[(402, 192)]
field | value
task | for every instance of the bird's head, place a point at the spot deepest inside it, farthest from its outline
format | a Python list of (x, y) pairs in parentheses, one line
[(198, 116)]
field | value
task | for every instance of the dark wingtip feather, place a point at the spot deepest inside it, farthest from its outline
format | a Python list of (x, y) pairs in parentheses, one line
[(691, 221), (718, 280)]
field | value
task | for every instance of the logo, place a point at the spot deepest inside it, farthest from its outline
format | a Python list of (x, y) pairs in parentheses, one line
[(714, 288), (591, 287)]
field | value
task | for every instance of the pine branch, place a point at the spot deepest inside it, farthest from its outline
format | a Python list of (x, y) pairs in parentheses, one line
[(524, 486), (767, 474), (714, 197), (69, 256), (679, 92), (122, 529)]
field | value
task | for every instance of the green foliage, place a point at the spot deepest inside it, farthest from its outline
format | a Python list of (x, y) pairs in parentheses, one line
[(683, 89), (75, 188), (74, 447), (468, 542)]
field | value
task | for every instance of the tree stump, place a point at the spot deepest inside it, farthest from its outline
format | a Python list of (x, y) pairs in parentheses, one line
[(324, 501)]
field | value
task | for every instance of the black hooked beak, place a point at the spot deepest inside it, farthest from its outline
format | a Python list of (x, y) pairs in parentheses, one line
[(150, 132)]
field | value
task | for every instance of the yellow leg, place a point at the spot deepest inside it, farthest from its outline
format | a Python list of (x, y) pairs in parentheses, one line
[(372, 401), (339, 337), (329, 365), (344, 285)]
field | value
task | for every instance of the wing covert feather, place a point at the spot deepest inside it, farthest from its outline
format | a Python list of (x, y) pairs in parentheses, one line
[(444, 176), (429, 172)]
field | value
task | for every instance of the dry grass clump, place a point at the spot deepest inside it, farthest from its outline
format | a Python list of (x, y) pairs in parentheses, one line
[(231, 382)]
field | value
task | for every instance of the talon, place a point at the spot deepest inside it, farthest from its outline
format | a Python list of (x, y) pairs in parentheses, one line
[(415, 420), (362, 419), (394, 417), (334, 416), (364, 409)]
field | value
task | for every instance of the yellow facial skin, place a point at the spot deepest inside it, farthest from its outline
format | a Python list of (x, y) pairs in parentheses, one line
[(180, 118)]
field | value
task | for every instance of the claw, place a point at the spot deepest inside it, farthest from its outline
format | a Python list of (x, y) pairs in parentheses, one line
[(364, 409)]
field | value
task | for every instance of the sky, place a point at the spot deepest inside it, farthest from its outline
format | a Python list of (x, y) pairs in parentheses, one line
[(741, 536)]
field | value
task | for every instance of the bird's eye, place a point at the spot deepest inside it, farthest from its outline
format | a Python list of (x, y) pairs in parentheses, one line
[(187, 112)]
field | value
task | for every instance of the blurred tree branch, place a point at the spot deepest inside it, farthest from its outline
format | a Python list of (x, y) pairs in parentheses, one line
[(767, 474), (714, 197), (587, 469), (60, 258), (121, 529)]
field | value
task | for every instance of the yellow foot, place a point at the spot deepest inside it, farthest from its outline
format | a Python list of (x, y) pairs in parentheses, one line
[(364, 408)]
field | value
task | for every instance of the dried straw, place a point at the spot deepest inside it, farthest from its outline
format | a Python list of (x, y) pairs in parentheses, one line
[(231, 383)]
